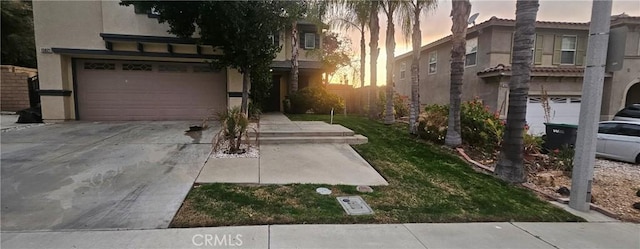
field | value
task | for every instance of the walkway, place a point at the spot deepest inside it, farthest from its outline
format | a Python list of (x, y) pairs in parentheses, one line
[(449, 235), (297, 152)]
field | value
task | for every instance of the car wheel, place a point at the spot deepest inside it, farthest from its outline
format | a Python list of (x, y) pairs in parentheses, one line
[(638, 159)]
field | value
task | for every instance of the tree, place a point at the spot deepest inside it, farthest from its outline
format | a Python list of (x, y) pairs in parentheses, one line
[(510, 165), (459, 15), (417, 8), (241, 28), (374, 27), (335, 54), (356, 17), (18, 42), (390, 7)]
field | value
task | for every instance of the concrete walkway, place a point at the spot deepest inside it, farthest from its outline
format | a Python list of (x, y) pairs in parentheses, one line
[(431, 235), (302, 152)]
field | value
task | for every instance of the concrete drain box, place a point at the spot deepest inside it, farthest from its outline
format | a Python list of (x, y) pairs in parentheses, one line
[(354, 205)]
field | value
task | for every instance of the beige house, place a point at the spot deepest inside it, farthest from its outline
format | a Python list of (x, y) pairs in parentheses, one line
[(559, 57), (98, 60)]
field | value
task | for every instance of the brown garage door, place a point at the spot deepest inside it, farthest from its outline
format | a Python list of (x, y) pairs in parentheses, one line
[(141, 90)]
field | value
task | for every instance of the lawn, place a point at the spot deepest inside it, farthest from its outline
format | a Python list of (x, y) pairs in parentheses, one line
[(426, 184)]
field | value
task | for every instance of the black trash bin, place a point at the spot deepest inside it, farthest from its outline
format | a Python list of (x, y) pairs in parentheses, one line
[(560, 135)]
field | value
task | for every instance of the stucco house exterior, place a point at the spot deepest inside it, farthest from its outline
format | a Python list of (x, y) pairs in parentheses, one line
[(559, 58), (98, 60)]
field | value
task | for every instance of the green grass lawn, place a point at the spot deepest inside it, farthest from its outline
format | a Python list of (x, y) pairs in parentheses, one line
[(426, 184)]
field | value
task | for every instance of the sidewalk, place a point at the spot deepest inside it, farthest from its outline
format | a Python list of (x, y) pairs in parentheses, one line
[(435, 235)]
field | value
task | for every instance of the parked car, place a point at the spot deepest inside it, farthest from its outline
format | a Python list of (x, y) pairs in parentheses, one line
[(629, 113), (619, 140)]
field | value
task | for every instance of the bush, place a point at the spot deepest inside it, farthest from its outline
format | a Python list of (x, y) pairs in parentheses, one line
[(479, 127), (233, 129), (315, 98), (432, 124), (400, 105)]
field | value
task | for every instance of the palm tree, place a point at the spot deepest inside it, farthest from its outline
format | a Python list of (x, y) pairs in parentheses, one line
[(355, 17), (459, 15), (374, 28), (417, 7), (510, 165), (390, 7)]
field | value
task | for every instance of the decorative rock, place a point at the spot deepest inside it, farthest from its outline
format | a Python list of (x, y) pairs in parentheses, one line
[(364, 189), (323, 191), (638, 193), (636, 205), (564, 191)]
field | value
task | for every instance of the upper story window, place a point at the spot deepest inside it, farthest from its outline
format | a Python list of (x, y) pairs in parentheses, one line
[(568, 50), (309, 41), (472, 52), (433, 62), (403, 70)]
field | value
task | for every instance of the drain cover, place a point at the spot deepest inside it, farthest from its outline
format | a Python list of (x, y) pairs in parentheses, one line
[(354, 205)]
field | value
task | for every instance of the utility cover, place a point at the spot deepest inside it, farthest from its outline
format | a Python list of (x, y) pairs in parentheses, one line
[(323, 191), (354, 205)]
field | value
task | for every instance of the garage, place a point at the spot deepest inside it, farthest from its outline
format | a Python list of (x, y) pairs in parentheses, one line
[(563, 109), (145, 90)]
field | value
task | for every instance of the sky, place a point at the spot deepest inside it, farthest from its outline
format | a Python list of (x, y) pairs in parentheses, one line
[(437, 23)]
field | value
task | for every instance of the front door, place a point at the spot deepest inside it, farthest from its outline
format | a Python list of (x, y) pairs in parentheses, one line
[(273, 102)]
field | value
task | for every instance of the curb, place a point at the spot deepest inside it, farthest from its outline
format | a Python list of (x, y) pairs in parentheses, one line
[(593, 207)]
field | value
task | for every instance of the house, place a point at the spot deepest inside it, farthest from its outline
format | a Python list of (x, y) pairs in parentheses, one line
[(559, 58), (98, 60)]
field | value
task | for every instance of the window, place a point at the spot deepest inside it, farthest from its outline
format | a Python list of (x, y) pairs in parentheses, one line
[(608, 128), (629, 130), (99, 66), (172, 68), (433, 62), (403, 70), (136, 67), (568, 50), (309, 40), (535, 100), (472, 52)]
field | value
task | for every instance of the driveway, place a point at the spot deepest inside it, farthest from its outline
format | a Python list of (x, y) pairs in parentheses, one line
[(90, 175)]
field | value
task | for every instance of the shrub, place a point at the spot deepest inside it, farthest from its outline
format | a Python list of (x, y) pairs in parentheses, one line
[(432, 124), (400, 105), (532, 144), (234, 125), (315, 98), (564, 158), (479, 127)]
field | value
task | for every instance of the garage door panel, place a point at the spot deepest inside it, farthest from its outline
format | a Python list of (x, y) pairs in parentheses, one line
[(563, 109), (148, 95)]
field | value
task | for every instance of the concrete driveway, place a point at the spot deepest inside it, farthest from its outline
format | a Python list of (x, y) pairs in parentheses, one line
[(85, 175)]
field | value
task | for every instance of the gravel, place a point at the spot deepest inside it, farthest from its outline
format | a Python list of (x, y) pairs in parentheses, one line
[(252, 151)]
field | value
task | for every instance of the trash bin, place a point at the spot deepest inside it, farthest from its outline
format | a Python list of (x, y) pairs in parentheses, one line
[(560, 135)]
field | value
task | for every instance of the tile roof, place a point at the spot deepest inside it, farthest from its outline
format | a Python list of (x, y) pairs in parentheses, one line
[(502, 68)]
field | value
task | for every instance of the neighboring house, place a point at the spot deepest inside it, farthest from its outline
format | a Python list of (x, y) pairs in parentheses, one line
[(559, 58), (98, 60)]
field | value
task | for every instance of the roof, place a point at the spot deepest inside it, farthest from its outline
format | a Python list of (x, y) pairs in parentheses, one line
[(502, 70), (495, 21)]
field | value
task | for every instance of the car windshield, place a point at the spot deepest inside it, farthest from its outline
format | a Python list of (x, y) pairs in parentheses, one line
[(632, 111)]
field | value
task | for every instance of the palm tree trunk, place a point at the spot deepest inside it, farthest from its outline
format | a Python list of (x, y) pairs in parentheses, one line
[(363, 54), (293, 80), (246, 82), (459, 14), (510, 165), (389, 117), (374, 27), (416, 41)]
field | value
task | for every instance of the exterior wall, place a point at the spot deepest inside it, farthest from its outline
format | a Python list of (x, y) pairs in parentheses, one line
[(14, 87), (626, 77), (234, 85)]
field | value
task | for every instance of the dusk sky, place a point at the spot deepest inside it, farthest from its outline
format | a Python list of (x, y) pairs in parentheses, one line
[(437, 23)]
